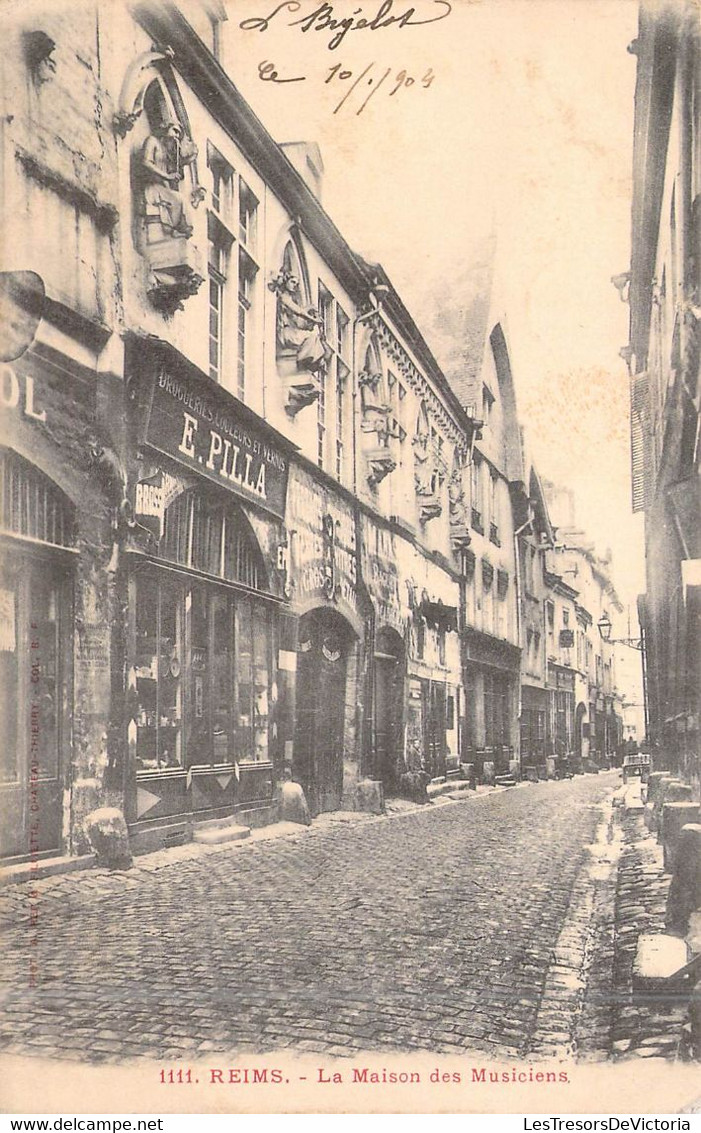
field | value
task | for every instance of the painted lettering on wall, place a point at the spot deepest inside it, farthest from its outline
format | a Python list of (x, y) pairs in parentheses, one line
[(18, 392), (323, 543)]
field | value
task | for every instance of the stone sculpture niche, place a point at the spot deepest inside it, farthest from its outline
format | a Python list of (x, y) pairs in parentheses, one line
[(300, 339), (375, 418), (160, 167), (167, 227)]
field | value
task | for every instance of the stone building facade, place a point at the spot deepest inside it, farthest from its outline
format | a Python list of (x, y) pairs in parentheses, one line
[(663, 358), (236, 484)]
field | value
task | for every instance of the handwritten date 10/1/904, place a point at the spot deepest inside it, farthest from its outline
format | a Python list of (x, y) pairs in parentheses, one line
[(367, 83)]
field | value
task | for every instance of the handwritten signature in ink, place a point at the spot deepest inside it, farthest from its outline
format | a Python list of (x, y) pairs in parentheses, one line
[(267, 72), (322, 19)]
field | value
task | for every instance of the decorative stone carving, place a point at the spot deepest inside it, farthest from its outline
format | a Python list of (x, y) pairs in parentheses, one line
[(300, 395), (374, 412), (140, 74), (174, 262), (39, 50), (380, 464), (299, 329), (430, 508), (422, 468), (457, 509)]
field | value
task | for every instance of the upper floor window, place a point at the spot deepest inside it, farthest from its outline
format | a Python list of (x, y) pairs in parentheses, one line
[(550, 618), (476, 493), (219, 244), (248, 215), (333, 382), (231, 276), (494, 509), (487, 403), (221, 185)]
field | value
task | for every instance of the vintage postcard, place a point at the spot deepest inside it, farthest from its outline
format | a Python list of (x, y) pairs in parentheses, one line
[(349, 554)]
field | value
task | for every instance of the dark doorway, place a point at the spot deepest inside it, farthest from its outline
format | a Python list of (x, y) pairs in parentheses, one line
[(34, 670), (325, 640), (435, 729), (389, 706), (579, 718)]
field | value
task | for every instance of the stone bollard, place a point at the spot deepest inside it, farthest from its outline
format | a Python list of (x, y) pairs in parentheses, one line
[(671, 791), (413, 785), (488, 774), (108, 835), (515, 769), (654, 787), (685, 891), (293, 804), (531, 774), (654, 784), (467, 770), (674, 817), (369, 796), (551, 768)]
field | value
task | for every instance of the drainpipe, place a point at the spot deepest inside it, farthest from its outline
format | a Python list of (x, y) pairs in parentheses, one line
[(517, 569), (366, 745)]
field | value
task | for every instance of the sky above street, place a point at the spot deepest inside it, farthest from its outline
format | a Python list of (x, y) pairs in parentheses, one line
[(518, 121)]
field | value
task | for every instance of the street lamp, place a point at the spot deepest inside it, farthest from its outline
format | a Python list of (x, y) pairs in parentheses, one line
[(604, 627)]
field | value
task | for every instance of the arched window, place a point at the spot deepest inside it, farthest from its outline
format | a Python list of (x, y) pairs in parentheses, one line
[(31, 505), (213, 538)]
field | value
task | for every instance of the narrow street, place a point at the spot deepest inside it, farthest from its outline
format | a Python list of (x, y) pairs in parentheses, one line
[(431, 930)]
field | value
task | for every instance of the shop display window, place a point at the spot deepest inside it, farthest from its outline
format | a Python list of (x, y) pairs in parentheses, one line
[(158, 670), (203, 675)]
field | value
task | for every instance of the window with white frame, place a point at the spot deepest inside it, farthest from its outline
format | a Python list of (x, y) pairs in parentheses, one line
[(333, 383), (219, 244), (476, 494), (494, 509), (232, 219)]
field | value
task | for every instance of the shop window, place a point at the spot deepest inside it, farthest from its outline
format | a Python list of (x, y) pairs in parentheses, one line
[(203, 675), (207, 537), (30, 505), (253, 682), (35, 654), (158, 671)]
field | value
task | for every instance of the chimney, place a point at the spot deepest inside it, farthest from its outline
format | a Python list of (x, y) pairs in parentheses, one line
[(307, 160)]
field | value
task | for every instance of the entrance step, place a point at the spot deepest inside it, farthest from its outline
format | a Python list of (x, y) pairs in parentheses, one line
[(217, 831), (504, 781)]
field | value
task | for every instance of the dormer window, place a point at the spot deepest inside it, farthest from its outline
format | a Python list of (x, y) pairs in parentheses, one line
[(487, 403)]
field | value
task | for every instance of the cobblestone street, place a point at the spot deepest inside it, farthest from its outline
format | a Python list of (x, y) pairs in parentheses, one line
[(432, 930)]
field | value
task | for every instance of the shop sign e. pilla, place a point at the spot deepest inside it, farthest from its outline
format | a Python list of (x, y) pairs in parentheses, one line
[(204, 428)]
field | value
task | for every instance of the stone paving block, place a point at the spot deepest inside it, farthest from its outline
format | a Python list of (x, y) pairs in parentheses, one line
[(342, 932)]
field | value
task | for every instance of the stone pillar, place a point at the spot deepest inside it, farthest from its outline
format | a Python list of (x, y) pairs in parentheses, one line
[(287, 681), (671, 791), (685, 891), (674, 817)]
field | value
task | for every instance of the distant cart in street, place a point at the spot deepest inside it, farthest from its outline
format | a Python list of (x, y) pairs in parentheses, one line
[(636, 764)]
